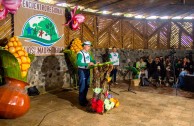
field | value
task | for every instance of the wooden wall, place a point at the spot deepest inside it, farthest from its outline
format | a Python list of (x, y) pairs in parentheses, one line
[(6, 27), (106, 32)]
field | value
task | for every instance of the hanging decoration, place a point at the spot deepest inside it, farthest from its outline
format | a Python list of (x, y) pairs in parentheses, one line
[(8, 6), (74, 19)]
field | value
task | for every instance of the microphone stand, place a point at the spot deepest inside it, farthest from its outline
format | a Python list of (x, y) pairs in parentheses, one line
[(173, 68)]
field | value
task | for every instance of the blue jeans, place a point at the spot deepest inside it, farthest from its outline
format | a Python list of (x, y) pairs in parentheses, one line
[(83, 75), (181, 82), (113, 74)]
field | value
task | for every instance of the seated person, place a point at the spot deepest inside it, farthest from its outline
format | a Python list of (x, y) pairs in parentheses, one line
[(158, 68), (141, 67), (180, 83)]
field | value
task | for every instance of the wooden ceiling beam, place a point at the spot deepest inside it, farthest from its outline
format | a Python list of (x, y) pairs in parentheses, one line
[(111, 5), (157, 11), (72, 1), (180, 12), (89, 2), (137, 6), (93, 3), (80, 2)]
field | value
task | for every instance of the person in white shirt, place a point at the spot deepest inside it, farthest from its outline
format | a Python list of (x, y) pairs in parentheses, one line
[(114, 58)]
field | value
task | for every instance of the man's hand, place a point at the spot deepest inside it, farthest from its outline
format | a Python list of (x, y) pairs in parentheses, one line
[(90, 64)]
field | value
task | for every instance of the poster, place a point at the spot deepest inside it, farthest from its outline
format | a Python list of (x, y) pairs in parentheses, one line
[(40, 27)]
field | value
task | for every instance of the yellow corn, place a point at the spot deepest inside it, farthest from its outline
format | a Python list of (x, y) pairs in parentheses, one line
[(14, 46)]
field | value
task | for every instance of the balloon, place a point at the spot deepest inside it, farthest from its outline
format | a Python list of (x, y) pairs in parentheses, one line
[(3, 14), (8, 6), (11, 5)]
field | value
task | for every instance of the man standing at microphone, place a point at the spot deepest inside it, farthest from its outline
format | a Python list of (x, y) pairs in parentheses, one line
[(84, 61)]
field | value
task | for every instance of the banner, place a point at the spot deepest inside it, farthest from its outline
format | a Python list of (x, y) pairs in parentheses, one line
[(39, 27)]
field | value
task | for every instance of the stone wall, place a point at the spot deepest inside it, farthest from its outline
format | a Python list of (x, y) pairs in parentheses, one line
[(51, 72), (48, 73)]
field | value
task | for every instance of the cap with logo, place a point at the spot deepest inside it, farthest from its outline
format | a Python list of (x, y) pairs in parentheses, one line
[(87, 43)]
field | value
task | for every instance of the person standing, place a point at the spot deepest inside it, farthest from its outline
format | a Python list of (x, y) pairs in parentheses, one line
[(84, 61), (114, 57)]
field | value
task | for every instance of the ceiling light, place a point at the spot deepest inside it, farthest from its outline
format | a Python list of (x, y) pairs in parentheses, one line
[(128, 15), (63, 4), (90, 10), (152, 17), (178, 17), (139, 16), (81, 7), (164, 17), (48, 1), (117, 14), (188, 18)]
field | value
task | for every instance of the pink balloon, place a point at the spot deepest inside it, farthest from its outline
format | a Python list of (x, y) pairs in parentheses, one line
[(11, 5), (3, 14), (79, 17)]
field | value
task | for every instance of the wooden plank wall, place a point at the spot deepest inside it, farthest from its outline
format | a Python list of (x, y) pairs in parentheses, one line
[(6, 27), (106, 32)]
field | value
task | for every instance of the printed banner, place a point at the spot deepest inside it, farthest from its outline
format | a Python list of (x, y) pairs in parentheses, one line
[(39, 27)]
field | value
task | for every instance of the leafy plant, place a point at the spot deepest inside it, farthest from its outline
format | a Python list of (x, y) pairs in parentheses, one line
[(11, 66)]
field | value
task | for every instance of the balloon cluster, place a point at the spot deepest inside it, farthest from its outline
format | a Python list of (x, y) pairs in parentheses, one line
[(8, 6), (75, 20)]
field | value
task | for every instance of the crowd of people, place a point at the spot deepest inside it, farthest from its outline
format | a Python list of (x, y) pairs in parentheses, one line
[(162, 69)]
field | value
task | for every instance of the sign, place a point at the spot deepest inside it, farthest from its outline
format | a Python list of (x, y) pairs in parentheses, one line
[(39, 27), (42, 7)]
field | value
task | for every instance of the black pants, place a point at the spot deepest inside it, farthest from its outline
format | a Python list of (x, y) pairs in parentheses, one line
[(113, 74)]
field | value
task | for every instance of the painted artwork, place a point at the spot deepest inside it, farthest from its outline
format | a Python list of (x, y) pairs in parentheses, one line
[(41, 30)]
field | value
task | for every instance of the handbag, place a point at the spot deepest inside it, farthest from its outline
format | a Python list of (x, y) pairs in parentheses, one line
[(33, 91)]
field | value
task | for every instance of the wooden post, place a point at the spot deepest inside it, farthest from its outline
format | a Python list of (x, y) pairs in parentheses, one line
[(95, 32), (192, 45), (12, 25), (121, 32), (180, 35), (109, 36), (145, 35), (158, 40), (169, 34), (81, 32)]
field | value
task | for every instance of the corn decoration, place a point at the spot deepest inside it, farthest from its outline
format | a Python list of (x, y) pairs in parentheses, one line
[(76, 45), (14, 46)]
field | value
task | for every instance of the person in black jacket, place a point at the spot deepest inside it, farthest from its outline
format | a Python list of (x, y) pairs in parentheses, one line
[(158, 68)]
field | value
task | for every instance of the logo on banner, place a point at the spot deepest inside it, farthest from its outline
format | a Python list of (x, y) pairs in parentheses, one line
[(41, 30)]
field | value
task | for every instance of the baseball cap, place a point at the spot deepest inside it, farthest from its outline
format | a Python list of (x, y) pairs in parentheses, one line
[(87, 43)]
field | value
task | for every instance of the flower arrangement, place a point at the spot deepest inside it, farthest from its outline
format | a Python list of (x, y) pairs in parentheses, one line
[(74, 19), (102, 104)]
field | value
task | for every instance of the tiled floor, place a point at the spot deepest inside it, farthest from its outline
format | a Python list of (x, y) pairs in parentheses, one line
[(149, 107)]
